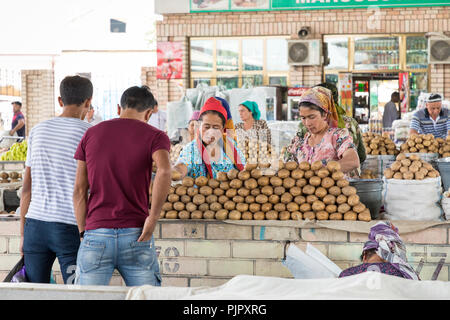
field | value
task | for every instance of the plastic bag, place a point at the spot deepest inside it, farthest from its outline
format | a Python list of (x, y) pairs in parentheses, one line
[(178, 115), (446, 207), (17, 274)]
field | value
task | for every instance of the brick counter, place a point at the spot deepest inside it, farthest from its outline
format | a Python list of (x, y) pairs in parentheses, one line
[(209, 253)]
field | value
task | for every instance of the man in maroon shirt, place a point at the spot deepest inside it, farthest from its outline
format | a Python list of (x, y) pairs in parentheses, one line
[(115, 164)]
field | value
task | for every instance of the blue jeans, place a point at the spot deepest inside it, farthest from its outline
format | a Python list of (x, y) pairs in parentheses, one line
[(103, 250), (43, 242)]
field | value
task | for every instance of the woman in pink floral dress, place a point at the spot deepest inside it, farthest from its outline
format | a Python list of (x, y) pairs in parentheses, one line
[(324, 141)]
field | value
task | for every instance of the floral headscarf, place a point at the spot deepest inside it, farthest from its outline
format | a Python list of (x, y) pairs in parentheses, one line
[(389, 246), (322, 98)]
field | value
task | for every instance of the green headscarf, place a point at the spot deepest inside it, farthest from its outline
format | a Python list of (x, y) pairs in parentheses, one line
[(253, 108)]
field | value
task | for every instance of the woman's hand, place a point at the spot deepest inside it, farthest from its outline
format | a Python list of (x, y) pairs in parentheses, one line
[(349, 161)]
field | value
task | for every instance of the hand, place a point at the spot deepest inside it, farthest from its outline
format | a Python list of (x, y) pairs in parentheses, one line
[(11, 132), (21, 245), (147, 231)]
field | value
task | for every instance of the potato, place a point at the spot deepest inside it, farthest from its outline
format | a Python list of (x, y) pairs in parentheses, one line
[(322, 215), (176, 176), (318, 206), (191, 207), (337, 175), (231, 193), (329, 199), (315, 181), (244, 175), (279, 190), (209, 199), (201, 181), (348, 191), (405, 162), (343, 208), (350, 215), (301, 182), (283, 173), (236, 183), (171, 190), (199, 199), (433, 174), (311, 198), (360, 207), (238, 199), (209, 214), (286, 197), (247, 216), (288, 182), (171, 215), (256, 173), (333, 166), (213, 183), (341, 199), (223, 199), (259, 215), (276, 181), (262, 198), (266, 207), (279, 207), (327, 182), (365, 216), (197, 214), (256, 191), (353, 200), (173, 198), (274, 198), (254, 207), (291, 165), (299, 200), (187, 182), (323, 172), (234, 215), (229, 205), (263, 181), (320, 192), (232, 174), (297, 174), (250, 166), (292, 207), (336, 216), (309, 215), (427, 166), (398, 175), (222, 176), (219, 192), (203, 207), (272, 215), (296, 215), (413, 168), (242, 207), (251, 184), (295, 191), (401, 156), (224, 185), (316, 165), (408, 175), (309, 174), (305, 166), (396, 165), (181, 190), (388, 173), (216, 206), (168, 206), (162, 214), (308, 189), (335, 191), (305, 207), (284, 215), (184, 215), (331, 208), (179, 206), (404, 169), (243, 192), (192, 191), (221, 214)]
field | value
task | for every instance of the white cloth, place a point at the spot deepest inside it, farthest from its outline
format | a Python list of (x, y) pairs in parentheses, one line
[(158, 120)]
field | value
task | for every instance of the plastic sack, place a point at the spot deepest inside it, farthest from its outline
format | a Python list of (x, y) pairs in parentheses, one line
[(446, 207), (377, 164), (17, 274), (178, 115), (412, 199)]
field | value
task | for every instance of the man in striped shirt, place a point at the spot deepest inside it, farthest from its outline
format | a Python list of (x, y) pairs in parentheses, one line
[(433, 119), (48, 225)]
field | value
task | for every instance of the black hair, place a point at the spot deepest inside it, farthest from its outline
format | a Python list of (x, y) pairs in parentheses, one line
[(138, 98), (368, 253), (75, 90), (215, 113), (312, 106), (332, 87), (395, 95), (17, 102)]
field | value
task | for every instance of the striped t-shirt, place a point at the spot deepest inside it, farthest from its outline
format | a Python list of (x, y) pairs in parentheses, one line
[(424, 124), (51, 147)]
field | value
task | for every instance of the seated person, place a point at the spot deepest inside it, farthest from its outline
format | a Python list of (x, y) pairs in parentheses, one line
[(432, 119), (385, 253)]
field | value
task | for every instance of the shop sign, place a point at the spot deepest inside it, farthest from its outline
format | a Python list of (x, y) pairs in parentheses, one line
[(169, 60), (296, 92)]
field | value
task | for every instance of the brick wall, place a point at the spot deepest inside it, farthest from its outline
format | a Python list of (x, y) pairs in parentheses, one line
[(37, 96), (179, 27)]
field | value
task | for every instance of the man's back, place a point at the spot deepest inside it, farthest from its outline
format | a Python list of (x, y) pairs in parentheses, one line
[(390, 114), (118, 156), (51, 147)]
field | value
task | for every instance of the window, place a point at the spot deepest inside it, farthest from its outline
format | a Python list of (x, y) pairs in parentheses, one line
[(239, 62), (118, 26)]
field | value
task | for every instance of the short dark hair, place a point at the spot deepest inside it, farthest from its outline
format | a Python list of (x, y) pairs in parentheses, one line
[(74, 90), (368, 253), (139, 98), (312, 106), (17, 102), (217, 113), (395, 95)]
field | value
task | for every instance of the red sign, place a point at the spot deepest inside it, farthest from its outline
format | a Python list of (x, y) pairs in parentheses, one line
[(170, 60), (404, 91), (296, 92)]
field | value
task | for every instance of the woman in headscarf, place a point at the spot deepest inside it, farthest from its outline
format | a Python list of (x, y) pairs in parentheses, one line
[(193, 122), (344, 121), (251, 123), (384, 252), (324, 141), (213, 150)]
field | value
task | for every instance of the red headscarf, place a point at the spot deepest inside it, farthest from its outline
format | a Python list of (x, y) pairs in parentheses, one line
[(213, 104)]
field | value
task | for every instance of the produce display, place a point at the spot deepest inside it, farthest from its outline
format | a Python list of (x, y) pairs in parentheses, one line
[(7, 213), (17, 152), (175, 151), (420, 143), (10, 177), (410, 168), (379, 144), (255, 150), (444, 147), (292, 192), (367, 174)]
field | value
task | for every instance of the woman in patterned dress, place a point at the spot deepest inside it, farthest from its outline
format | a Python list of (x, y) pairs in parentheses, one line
[(213, 150), (251, 123), (324, 141)]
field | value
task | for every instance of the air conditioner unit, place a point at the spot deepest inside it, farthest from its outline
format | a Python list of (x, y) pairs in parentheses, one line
[(438, 51), (304, 52)]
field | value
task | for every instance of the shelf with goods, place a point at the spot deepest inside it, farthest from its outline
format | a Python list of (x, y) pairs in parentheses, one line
[(376, 53)]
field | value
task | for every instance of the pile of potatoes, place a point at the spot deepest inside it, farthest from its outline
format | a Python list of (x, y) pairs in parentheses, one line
[(410, 168), (255, 150), (367, 174), (420, 143), (379, 144), (444, 147), (10, 177), (293, 192)]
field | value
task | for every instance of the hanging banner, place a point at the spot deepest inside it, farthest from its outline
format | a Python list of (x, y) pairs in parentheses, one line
[(170, 60), (403, 82), (345, 92)]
